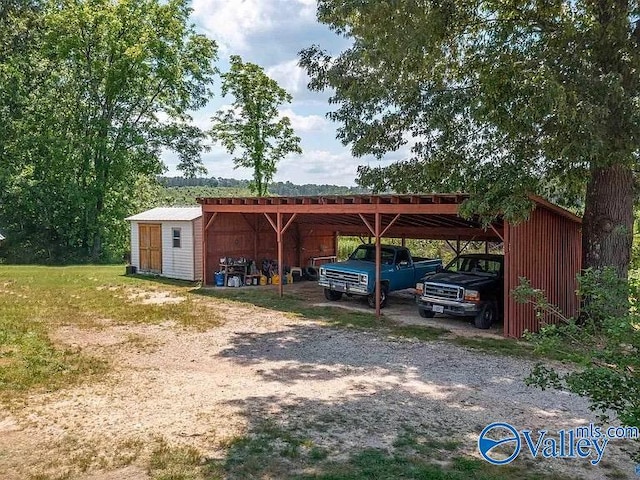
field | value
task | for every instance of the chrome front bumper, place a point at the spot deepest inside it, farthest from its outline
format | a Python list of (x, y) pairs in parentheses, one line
[(450, 307), (343, 287)]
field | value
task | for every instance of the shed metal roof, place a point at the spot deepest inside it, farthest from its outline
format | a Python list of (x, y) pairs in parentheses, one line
[(160, 214)]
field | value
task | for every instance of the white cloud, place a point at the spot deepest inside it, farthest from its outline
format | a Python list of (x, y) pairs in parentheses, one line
[(309, 8), (228, 22), (319, 166), (231, 22), (305, 123), (289, 76)]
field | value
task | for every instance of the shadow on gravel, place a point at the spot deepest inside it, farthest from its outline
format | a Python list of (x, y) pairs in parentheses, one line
[(310, 350), (356, 405), (356, 438)]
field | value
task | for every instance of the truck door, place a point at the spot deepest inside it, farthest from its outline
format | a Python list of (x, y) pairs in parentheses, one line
[(404, 276)]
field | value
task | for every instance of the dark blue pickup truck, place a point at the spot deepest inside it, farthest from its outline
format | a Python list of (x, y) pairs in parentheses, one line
[(356, 276), (472, 285)]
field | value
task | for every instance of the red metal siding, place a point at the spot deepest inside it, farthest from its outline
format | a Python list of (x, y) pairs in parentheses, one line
[(546, 249)]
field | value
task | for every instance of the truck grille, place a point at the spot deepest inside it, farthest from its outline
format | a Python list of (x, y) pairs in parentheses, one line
[(342, 276), (448, 292)]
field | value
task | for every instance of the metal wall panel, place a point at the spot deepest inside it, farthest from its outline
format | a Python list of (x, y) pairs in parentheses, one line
[(546, 249)]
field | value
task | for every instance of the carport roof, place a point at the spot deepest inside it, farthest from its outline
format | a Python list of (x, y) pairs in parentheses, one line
[(432, 216)]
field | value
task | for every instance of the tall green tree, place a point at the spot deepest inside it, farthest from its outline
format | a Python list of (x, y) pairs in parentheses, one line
[(104, 87), (253, 125), (496, 98)]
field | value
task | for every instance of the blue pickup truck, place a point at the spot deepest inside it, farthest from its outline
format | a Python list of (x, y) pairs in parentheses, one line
[(356, 276)]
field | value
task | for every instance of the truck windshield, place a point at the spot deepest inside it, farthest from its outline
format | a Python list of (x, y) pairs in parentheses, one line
[(475, 266), (367, 253)]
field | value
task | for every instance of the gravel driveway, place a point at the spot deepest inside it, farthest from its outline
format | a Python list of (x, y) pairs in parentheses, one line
[(345, 389)]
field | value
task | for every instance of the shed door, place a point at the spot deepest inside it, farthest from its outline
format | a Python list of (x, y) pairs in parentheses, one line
[(150, 247)]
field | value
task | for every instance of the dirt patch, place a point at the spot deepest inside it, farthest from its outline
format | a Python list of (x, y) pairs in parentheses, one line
[(157, 297), (345, 390)]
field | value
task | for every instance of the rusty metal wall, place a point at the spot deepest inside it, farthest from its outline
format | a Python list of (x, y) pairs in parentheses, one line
[(251, 236), (546, 249)]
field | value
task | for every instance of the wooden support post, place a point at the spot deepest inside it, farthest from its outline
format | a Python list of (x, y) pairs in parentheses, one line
[(390, 225), (404, 241), (280, 252), (300, 246), (256, 238), (364, 220), (457, 246), (496, 232), (205, 242), (288, 224), (378, 260), (275, 227), (466, 245)]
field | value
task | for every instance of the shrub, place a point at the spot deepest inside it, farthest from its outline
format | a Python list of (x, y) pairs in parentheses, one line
[(604, 341)]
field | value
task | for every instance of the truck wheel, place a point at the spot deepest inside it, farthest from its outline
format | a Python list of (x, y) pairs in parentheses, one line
[(426, 313), (371, 299), (485, 318), (332, 295)]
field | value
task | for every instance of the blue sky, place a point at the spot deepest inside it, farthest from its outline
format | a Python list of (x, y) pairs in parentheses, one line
[(270, 33)]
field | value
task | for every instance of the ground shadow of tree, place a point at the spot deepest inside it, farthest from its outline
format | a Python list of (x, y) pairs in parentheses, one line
[(357, 405)]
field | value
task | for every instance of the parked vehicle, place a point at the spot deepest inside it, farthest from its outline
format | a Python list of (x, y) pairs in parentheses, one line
[(356, 276), (472, 285)]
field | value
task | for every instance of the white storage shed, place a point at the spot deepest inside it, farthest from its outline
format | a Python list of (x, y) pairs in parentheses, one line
[(168, 241)]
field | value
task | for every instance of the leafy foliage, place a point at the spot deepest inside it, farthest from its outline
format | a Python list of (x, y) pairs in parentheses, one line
[(498, 99), (253, 124), (93, 91), (605, 341)]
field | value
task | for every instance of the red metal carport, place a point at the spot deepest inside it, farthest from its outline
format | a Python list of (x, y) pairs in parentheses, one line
[(546, 248)]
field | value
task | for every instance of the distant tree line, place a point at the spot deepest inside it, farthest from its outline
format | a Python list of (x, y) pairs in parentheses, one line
[(275, 188)]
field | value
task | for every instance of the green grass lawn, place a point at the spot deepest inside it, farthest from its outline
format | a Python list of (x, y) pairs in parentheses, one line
[(35, 300), (269, 451)]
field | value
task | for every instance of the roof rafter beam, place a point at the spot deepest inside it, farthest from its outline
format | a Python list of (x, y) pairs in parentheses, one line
[(364, 220), (390, 225), (213, 217)]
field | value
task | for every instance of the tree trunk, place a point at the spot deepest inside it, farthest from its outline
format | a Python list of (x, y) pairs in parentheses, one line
[(607, 227), (96, 249), (100, 188), (257, 178), (97, 246)]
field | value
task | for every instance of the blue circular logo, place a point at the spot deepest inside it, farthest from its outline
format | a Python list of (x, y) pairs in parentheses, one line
[(505, 434)]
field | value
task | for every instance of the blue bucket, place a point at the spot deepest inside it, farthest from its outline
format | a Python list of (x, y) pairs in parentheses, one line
[(219, 279)]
